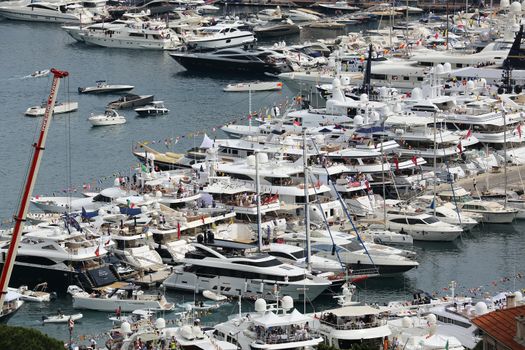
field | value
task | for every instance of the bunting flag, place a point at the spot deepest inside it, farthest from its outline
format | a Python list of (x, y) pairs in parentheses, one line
[(97, 252), (414, 160), (469, 134)]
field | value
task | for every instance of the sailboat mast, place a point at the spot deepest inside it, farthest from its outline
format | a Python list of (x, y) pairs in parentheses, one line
[(306, 204), (504, 112), (258, 196), (29, 185)]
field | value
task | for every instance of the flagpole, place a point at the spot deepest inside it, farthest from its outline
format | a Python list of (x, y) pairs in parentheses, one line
[(435, 160)]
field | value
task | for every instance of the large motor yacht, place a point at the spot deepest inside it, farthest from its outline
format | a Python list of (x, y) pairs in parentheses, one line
[(228, 268), (219, 36), (256, 61), (47, 12)]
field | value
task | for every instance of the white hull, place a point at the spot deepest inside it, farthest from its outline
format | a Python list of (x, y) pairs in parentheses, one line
[(107, 122), (62, 318), (221, 43), (424, 234), (498, 218), (231, 286), (255, 86), (128, 43), (62, 108), (111, 304), (21, 14)]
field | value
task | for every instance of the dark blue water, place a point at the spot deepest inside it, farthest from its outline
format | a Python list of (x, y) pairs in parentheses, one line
[(76, 154)]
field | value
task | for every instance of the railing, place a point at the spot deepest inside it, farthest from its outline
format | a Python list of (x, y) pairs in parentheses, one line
[(301, 335), (354, 325)]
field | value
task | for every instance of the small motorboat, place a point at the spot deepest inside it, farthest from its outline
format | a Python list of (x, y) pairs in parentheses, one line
[(103, 87), (40, 73), (213, 295), (254, 86), (12, 303), (154, 108), (198, 306), (130, 101), (60, 318), (327, 25), (110, 117), (65, 107), (276, 28), (38, 294)]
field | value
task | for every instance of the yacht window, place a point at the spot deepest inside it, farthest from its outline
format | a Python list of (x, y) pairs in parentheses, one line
[(281, 255), (49, 247), (413, 221), (399, 221), (299, 254), (264, 263), (431, 220), (379, 76)]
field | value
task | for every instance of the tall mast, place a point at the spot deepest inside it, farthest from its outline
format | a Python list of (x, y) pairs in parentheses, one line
[(29, 185), (258, 196), (306, 204)]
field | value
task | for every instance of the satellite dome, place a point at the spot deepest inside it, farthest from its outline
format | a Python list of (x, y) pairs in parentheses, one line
[(260, 305), (345, 80), (363, 98), (116, 182), (481, 308), (518, 295), (125, 328), (504, 4), (431, 318), (417, 93), (251, 160), (358, 120), (470, 85), (447, 67), (440, 69), (336, 83), (287, 302), (160, 323), (406, 322), (515, 7)]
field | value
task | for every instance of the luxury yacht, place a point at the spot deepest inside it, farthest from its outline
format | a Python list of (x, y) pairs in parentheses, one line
[(229, 269), (255, 61), (421, 226), (47, 12), (219, 36)]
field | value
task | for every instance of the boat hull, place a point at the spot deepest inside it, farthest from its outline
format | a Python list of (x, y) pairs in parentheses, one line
[(196, 63), (59, 280), (32, 16), (111, 304), (221, 43)]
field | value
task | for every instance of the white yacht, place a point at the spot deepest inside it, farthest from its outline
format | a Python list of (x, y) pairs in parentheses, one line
[(135, 35), (421, 226), (110, 117), (270, 327), (127, 298), (213, 266), (219, 36), (350, 325), (62, 107), (54, 12), (492, 212), (102, 87), (294, 255)]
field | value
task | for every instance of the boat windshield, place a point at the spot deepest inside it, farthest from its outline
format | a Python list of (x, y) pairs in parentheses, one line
[(431, 220)]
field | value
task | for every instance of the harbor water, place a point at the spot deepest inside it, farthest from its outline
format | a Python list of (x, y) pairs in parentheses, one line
[(487, 259)]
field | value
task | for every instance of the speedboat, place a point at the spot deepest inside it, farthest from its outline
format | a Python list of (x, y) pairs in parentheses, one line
[(12, 303), (40, 73), (303, 15), (254, 86), (61, 318), (254, 61), (63, 107), (276, 28), (102, 87), (155, 108), (126, 298), (38, 294), (492, 212), (110, 117), (130, 101), (421, 226), (219, 36)]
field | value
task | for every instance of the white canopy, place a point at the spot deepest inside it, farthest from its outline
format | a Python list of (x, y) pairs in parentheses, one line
[(206, 142)]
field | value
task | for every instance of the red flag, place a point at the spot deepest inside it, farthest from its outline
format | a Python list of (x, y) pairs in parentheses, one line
[(107, 242), (459, 147), (396, 163), (97, 252), (519, 130), (296, 123), (414, 160), (436, 35), (178, 230), (249, 117), (71, 324), (469, 134)]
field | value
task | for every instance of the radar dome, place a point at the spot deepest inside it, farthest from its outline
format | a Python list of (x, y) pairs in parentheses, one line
[(440, 69), (447, 67), (470, 85), (260, 305), (523, 5), (431, 318), (417, 94), (345, 80), (251, 160), (504, 4), (287, 302), (358, 120), (336, 83), (147, 197), (406, 322), (156, 206), (481, 308), (363, 98), (263, 157), (397, 108), (160, 323), (374, 116), (518, 295), (515, 7), (125, 328), (143, 209)]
